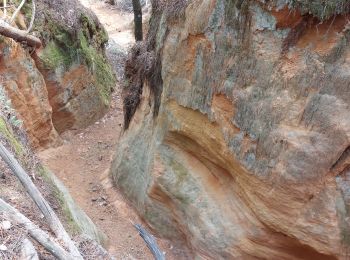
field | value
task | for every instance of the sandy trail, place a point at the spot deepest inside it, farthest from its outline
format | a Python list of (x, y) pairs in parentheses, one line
[(83, 161)]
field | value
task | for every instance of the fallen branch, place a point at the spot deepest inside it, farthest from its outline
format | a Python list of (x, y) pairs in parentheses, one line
[(150, 242), (17, 11), (35, 232), (5, 10), (51, 217), (28, 251), (18, 35), (33, 17)]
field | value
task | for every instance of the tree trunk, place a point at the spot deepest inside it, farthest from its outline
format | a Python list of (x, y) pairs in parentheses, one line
[(137, 19)]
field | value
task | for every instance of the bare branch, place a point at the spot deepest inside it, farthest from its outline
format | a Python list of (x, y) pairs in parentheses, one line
[(18, 35), (51, 217), (5, 9), (17, 11), (34, 231), (150, 242), (33, 17)]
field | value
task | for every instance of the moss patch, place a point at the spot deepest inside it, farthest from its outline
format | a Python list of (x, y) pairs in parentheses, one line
[(72, 226), (85, 46), (10, 137), (99, 67), (54, 56)]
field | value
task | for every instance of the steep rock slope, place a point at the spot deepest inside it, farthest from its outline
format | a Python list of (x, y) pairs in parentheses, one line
[(238, 128), (78, 77), (27, 91), (67, 83)]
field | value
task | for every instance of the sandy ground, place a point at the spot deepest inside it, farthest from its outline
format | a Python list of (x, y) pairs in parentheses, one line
[(83, 161)]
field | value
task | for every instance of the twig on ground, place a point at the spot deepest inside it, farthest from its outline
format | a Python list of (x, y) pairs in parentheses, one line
[(150, 242)]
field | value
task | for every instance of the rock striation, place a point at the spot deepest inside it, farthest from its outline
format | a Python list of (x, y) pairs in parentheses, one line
[(238, 137), (26, 88)]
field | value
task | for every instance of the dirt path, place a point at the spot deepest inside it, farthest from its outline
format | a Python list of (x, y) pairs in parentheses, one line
[(83, 161)]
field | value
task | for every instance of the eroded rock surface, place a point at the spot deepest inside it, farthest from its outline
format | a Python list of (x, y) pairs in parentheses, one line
[(26, 88), (73, 61), (248, 155), (67, 83)]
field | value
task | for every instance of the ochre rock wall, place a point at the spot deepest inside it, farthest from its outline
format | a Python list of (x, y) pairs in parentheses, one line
[(26, 88), (67, 83), (248, 156)]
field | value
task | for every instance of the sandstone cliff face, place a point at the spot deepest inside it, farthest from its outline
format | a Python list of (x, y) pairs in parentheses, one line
[(26, 88), (73, 61), (248, 155), (67, 83)]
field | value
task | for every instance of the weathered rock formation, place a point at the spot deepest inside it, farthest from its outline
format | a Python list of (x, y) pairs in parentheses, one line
[(239, 142), (78, 77), (26, 88), (66, 84)]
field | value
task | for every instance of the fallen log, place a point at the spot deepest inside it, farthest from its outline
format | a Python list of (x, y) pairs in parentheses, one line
[(19, 35), (35, 232), (150, 242), (50, 216)]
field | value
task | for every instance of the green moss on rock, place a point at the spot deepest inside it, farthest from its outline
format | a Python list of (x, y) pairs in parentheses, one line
[(54, 56), (72, 226), (76, 220), (64, 48), (99, 66), (4, 130)]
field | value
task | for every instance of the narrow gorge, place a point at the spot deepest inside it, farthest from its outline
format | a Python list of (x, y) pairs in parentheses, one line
[(225, 132)]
